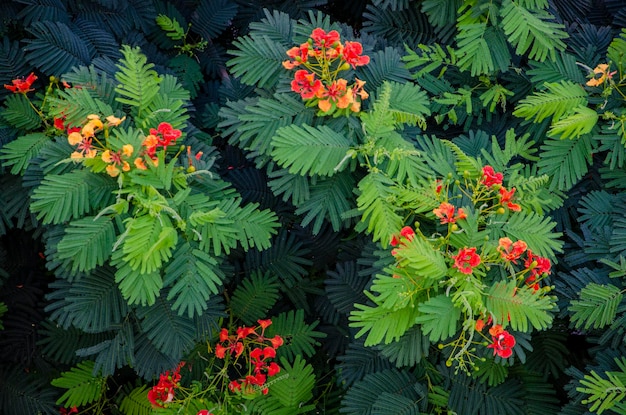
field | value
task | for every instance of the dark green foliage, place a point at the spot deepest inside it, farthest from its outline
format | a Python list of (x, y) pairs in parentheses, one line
[(285, 225)]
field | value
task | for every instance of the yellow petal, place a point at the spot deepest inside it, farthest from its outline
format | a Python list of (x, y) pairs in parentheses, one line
[(106, 156), (127, 150), (74, 138), (112, 170)]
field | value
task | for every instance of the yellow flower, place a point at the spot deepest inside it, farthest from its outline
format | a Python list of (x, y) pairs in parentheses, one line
[(113, 121), (93, 125), (91, 153), (74, 138), (140, 164), (106, 156), (126, 166), (127, 150), (112, 170), (151, 141), (602, 70), (76, 155)]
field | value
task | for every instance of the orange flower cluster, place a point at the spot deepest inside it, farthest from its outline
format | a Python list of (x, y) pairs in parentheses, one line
[(260, 353), (324, 56), (88, 146)]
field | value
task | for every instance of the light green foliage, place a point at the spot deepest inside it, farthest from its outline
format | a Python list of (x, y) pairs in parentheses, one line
[(18, 153), (556, 100), (605, 393), (81, 384), (580, 122), (172, 28), (597, 306), (439, 318), (520, 308)]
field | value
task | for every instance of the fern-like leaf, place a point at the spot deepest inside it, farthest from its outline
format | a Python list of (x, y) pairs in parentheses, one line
[(63, 197), (148, 242), (136, 402), (310, 150), (519, 307), (258, 61), (566, 161), (193, 276), (82, 386), (557, 100), (300, 337), (254, 296), (531, 31), (20, 151), (88, 242), (580, 122), (380, 217), (597, 306), (138, 82), (438, 317)]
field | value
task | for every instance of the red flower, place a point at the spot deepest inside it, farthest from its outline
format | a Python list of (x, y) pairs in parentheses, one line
[(243, 332), (264, 323), (166, 134), (480, 324), (204, 412), (537, 265), (407, 232), (22, 86), (352, 54), (511, 251), (298, 55), (223, 335), (305, 84), (163, 391), (234, 386), (276, 341), (65, 411), (272, 369), (503, 342), (490, 177), (321, 38), (466, 260), (506, 198), (445, 212)]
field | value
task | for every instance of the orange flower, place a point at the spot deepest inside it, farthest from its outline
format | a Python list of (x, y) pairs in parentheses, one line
[(511, 251), (466, 260), (113, 121), (74, 138), (140, 164), (506, 199), (112, 170), (602, 70), (445, 213)]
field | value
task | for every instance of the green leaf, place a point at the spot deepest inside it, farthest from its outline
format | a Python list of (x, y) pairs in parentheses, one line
[(82, 386), (87, 242), (565, 161), (172, 28), (532, 31), (254, 297), (138, 82), (536, 230), (557, 100), (439, 318), (310, 150), (258, 60), (597, 306), (519, 307), (148, 242), (297, 388), (378, 212), (193, 276), (299, 337), (20, 151), (60, 198), (136, 288), (604, 393), (474, 53), (19, 113), (136, 402), (580, 122), (383, 325)]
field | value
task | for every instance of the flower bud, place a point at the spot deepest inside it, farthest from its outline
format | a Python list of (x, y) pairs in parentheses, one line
[(191, 169), (448, 363), (500, 211), (440, 346)]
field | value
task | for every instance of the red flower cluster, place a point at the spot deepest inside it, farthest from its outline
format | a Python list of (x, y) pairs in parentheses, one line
[(445, 212), (406, 232), (466, 260), (65, 411), (162, 136), (490, 177), (538, 266), (503, 342), (21, 85), (163, 391), (324, 56), (261, 367), (511, 251), (204, 412)]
